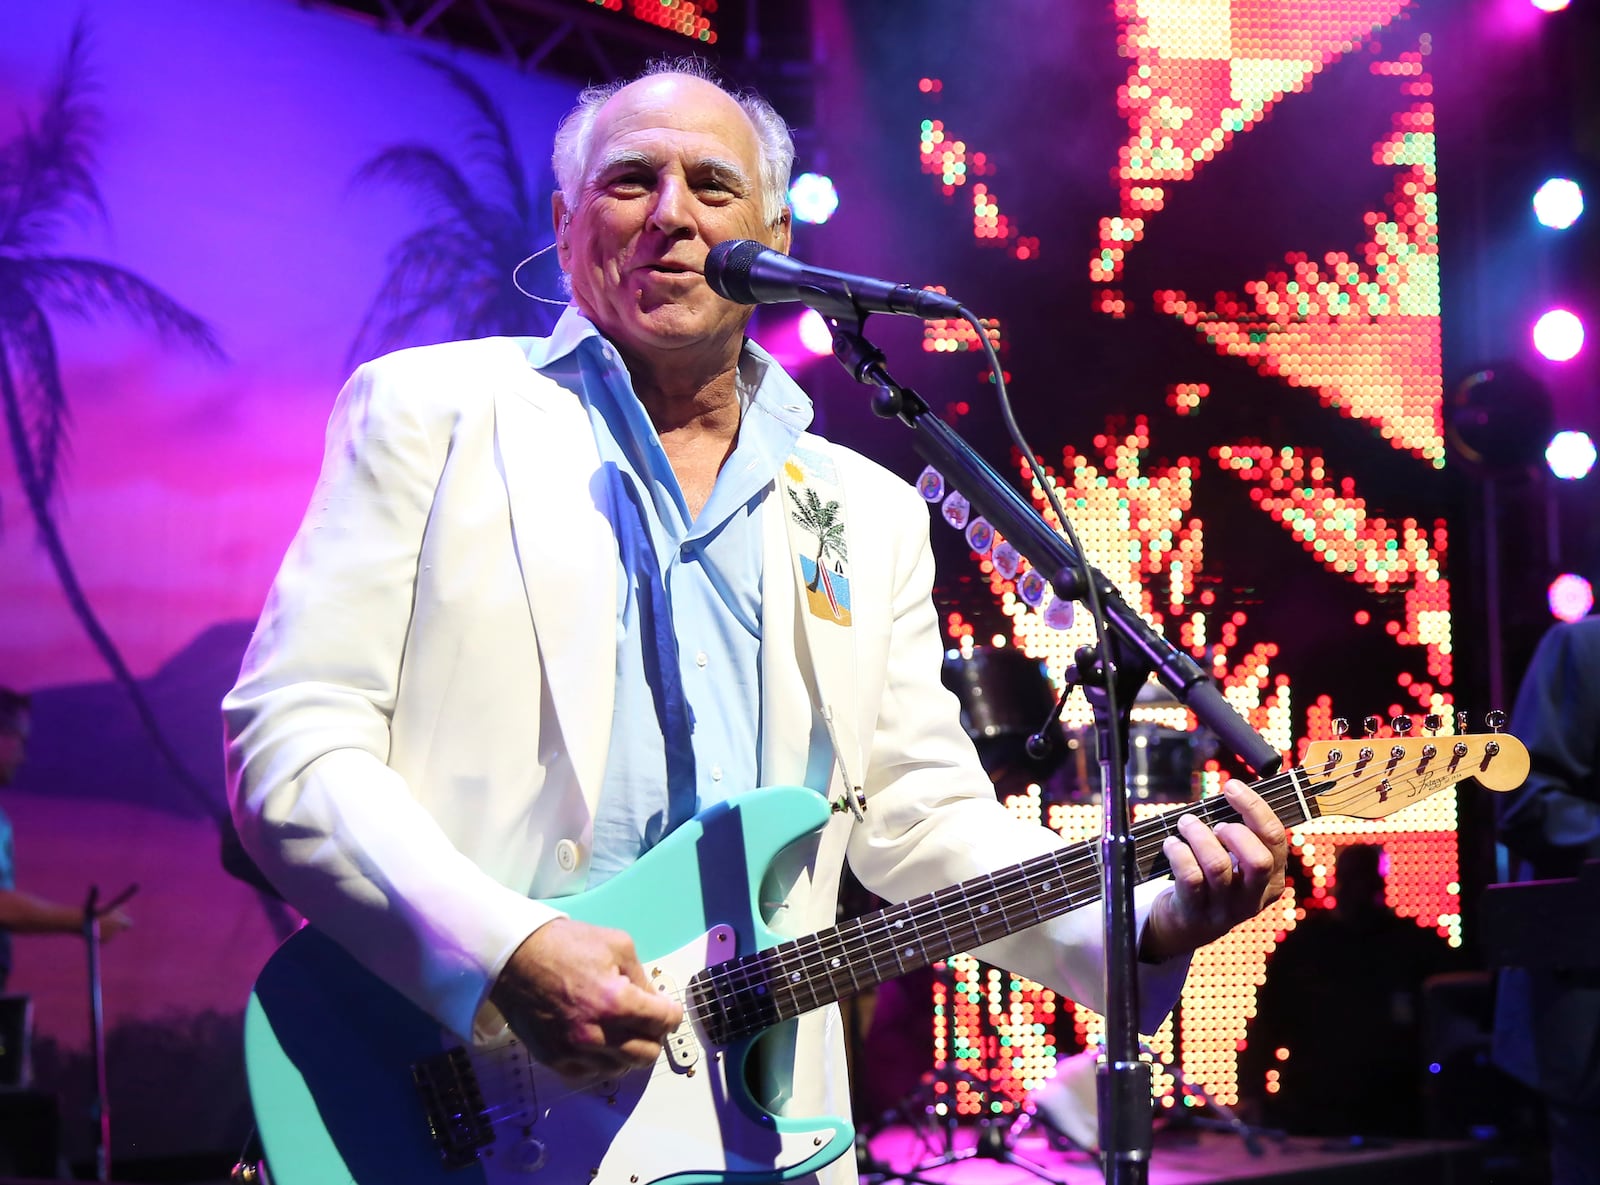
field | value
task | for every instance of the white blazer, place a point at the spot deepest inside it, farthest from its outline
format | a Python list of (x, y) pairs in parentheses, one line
[(417, 740)]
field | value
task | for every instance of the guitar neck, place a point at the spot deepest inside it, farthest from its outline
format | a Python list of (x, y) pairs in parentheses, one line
[(746, 995)]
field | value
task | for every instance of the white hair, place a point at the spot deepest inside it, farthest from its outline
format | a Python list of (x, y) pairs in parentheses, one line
[(575, 135)]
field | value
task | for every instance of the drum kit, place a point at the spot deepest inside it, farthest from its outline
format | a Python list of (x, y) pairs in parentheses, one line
[(1008, 708)]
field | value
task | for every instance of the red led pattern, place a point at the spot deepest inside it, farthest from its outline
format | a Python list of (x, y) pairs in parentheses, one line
[(1219, 995), (1202, 72), (1333, 524), (999, 1030), (1363, 333), (949, 159), (688, 18), (1358, 327)]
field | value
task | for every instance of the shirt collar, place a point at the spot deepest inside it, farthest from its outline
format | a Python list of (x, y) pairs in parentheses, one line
[(571, 331), (761, 381)]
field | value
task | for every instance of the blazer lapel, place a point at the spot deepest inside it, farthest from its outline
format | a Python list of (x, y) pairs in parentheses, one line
[(567, 552), (794, 750)]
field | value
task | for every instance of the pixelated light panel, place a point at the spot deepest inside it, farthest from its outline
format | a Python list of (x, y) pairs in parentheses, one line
[(1360, 328), (1357, 329), (694, 19), (1004, 1032), (1200, 74)]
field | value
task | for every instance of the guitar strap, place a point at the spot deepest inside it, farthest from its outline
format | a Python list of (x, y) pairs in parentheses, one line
[(813, 504)]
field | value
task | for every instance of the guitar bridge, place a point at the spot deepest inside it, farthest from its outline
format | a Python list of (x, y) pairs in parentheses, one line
[(453, 1103)]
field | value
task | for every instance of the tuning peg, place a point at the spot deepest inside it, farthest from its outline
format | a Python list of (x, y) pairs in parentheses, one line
[(1402, 725), (1433, 723), (1341, 728), (1462, 721), (1495, 720), (1371, 724)]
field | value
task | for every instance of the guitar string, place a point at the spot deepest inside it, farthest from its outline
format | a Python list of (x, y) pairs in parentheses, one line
[(755, 970), (1071, 863), (765, 968)]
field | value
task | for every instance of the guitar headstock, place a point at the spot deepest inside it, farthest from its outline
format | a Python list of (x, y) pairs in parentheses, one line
[(1375, 776)]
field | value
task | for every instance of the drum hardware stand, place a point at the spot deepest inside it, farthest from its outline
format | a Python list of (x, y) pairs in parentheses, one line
[(1225, 1118), (996, 1135)]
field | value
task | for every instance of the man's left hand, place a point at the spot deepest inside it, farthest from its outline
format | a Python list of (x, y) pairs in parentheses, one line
[(1221, 876)]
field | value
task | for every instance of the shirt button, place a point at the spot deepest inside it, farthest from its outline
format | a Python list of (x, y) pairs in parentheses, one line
[(716, 773), (700, 659), (567, 855)]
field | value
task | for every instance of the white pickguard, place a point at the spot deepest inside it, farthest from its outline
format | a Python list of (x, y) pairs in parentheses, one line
[(690, 1113)]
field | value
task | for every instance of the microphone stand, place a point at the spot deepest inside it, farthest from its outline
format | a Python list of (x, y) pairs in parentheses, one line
[(1134, 651)]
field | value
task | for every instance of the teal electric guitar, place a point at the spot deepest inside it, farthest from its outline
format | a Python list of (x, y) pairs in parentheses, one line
[(353, 1085)]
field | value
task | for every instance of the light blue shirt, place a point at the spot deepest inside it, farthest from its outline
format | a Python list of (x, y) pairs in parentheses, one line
[(686, 728)]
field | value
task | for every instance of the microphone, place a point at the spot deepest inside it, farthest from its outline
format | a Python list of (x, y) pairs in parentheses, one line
[(745, 272)]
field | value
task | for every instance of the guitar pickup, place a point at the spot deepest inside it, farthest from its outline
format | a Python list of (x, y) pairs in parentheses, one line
[(453, 1103), (682, 1046)]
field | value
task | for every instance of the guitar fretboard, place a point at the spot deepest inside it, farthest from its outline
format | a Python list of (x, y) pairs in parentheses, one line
[(746, 995)]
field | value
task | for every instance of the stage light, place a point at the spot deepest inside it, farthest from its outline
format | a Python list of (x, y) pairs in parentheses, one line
[(1570, 455), (796, 340), (815, 334), (1550, 5), (1558, 203), (1571, 597), (1558, 335), (813, 198)]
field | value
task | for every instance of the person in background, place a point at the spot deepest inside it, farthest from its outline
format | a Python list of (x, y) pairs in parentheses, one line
[(1547, 1020), (20, 912)]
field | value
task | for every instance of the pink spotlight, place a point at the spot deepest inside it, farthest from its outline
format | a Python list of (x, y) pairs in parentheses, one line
[(1550, 5), (1558, 335), (1571, 597), (815, 334)]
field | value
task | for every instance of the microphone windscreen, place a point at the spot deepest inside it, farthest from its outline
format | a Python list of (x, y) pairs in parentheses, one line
[(728, 269)]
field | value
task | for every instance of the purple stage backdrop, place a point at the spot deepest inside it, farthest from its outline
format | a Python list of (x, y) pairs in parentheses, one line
[(224, 142)]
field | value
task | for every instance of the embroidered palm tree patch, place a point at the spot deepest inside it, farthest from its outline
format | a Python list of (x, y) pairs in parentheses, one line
[(826, 569)]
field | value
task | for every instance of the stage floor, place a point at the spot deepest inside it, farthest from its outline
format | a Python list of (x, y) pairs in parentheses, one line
[(1183, 1157)]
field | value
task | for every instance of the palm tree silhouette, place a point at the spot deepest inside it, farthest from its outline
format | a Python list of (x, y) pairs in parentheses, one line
[(822, 520), (452, 277), (46, 182)]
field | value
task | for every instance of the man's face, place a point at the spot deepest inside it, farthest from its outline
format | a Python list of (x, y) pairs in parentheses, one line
[(673, 169), (13, 748)]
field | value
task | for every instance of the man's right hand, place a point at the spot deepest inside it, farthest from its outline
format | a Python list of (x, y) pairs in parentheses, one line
[(577, 995)]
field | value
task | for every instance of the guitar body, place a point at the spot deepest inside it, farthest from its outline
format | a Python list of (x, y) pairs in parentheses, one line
[(351, 1083)]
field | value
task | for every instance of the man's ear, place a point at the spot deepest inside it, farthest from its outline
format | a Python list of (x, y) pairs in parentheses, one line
[(560, 219), (783, 233)]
